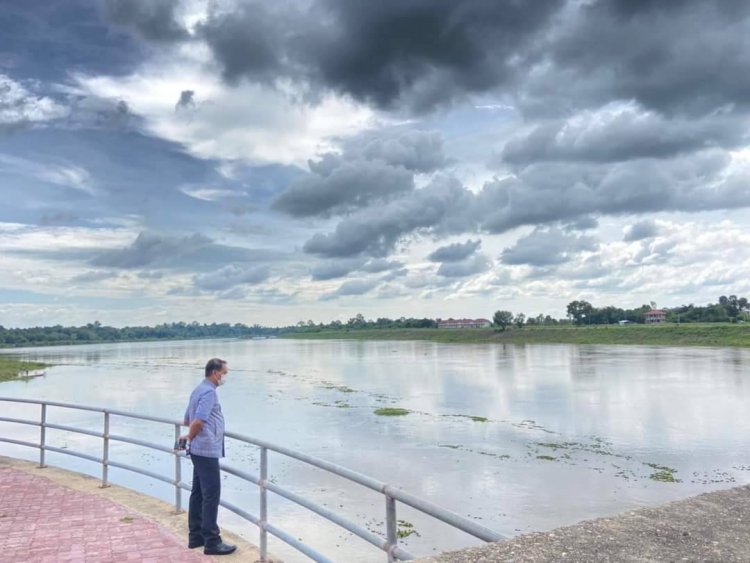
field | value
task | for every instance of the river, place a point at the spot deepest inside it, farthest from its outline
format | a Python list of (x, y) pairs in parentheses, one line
[(519, 438)]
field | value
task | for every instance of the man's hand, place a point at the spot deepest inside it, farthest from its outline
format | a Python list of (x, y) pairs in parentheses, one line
[(182, 442)]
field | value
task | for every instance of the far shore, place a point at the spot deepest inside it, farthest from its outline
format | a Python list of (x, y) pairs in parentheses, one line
[(697, 334)]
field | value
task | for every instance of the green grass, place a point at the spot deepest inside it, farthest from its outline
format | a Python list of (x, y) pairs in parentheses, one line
[(12, 368), (692, 334)]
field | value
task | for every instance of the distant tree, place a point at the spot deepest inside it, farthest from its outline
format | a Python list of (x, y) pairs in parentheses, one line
[(502, 319), (579, 311), (520, 319)]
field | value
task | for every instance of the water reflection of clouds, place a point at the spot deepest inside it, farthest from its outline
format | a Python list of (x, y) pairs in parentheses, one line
[(674, 406)]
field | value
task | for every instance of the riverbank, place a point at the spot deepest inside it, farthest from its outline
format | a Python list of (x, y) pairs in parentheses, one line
[(709, 527), (698, 334), (12, 368)]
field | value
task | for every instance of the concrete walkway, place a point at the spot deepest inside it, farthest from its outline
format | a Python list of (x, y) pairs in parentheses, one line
[(49, 515), (709, 527)]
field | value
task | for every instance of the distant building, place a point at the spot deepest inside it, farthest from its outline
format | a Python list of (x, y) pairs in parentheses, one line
[(655, 316), (463, 323)]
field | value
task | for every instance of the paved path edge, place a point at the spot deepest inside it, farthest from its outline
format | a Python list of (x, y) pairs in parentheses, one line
[(156, 510)]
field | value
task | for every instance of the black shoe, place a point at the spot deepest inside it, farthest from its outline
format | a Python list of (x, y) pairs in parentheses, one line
[(192, 544), (220, 549)]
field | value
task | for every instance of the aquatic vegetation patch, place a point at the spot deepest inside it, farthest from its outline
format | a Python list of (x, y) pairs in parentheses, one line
[(341, 388), (712, 477), (663, 473), (498, 456), (392, 411), (546, 457), (127, 519), (469, 416), (406, 529), (532, 425), (480, 452)]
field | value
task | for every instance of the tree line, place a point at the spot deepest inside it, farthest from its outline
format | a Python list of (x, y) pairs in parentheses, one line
[(96, 332), (358, 322), (726, 309)]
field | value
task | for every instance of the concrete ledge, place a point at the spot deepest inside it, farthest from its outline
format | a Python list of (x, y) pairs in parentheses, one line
[(710, 527), (151, 508)]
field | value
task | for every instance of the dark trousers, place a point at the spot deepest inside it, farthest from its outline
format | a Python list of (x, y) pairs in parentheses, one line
[(204, 501)]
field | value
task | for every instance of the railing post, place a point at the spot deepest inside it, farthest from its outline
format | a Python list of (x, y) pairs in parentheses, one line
[(105, 452), (177, 473), (263, 504), (43, 435), (391, 526)]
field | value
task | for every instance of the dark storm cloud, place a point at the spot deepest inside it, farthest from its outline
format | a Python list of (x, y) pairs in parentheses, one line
[(350, 185), (419, 151), (371, 167), (547, 192), (439, 208), (153, 19), (230, 276), (193, 252), (186, 101), (332, 269), (679, 58), (352, 287), (470, 266), (546, 247), (377, 265), (455, 252), (622, 134), (582, 224), (641, 230), (552, 57), (418, 53)]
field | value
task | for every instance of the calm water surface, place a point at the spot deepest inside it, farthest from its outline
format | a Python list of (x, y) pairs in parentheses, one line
[(571, 432)]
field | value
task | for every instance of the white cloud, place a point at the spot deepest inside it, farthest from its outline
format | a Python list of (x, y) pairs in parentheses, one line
[(19, 104), (207, 193), (246, 122)]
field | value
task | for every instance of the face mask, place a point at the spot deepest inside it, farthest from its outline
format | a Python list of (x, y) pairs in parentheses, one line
[(222, 380)]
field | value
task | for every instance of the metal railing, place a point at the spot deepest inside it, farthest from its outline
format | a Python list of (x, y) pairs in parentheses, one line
[(389, 544)]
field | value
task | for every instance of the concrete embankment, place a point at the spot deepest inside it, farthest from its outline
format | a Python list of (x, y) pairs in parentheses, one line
[(710, 527)]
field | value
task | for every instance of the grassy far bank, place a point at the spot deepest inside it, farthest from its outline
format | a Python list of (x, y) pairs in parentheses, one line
[(694, 334), (12, 368)]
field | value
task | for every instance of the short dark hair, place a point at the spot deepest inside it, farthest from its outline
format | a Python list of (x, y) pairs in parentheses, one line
[(213, 365)]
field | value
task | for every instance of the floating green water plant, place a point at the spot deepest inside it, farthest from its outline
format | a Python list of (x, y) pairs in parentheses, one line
[(406, 529), (391, 411), (663, 473)]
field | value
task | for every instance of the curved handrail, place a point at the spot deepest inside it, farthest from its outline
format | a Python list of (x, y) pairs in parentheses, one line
[(391, 493)]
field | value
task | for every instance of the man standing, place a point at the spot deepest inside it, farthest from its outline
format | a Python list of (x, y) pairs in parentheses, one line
[(206, 437)]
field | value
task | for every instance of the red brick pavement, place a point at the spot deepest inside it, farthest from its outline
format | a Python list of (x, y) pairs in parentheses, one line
[(42, 521)]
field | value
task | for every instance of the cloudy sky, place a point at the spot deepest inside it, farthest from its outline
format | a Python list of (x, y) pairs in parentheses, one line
[(270, 162)]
